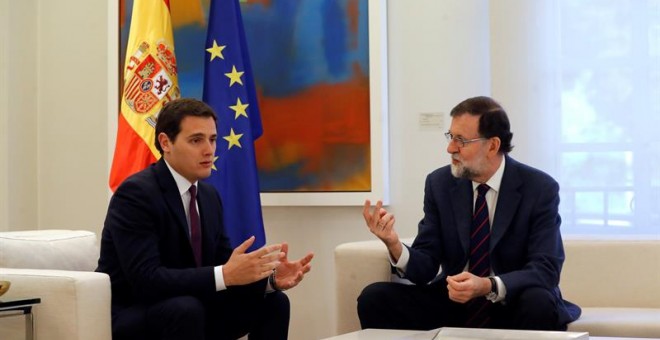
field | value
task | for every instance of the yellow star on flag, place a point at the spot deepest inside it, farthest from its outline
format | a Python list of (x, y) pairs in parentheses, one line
[(239, 108), (233, 139), (216, 50), (213, 166), (234, 76)]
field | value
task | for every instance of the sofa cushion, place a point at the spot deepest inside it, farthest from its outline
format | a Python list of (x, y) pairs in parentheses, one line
[(49, 249), (612, 273), (618, 321)]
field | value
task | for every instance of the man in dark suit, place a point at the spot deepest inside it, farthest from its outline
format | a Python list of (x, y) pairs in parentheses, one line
[(491, 224), (160, 289)]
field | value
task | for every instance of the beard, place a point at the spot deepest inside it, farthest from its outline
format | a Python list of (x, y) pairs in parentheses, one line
[(461, 170)]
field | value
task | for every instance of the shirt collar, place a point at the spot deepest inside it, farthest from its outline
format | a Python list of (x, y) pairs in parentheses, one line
[(181, 182), (494, 181)]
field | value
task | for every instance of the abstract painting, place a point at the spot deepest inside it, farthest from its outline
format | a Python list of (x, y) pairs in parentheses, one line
[(320, 71)]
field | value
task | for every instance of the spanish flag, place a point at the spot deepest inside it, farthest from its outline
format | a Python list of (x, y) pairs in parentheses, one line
[(150, 80)]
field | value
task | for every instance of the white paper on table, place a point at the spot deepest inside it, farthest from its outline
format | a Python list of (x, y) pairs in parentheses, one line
[(449, 333)]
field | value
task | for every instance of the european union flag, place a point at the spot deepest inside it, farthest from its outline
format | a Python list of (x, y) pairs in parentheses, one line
[(229, 90)]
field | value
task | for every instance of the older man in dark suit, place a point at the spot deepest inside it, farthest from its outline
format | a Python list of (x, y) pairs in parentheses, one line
[(491, 223), (173, 274)]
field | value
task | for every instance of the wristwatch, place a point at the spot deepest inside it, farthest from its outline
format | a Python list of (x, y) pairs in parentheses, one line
[(271, 280), (492, 295)]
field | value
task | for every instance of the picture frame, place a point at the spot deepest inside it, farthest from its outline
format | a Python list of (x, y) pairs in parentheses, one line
[(378, 116)]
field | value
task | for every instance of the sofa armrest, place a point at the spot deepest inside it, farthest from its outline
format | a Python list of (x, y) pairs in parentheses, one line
[(357, 264), (75, 305)]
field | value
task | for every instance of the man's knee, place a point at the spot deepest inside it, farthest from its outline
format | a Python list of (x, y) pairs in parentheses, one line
[(537, 309), (185, 305), (178, 315), (273, 322), (377, 299), (179, 312), (373, 296), (278, 302)]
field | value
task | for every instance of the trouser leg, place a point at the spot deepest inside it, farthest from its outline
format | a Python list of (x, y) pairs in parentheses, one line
[(180, 317), (534, 309), (398, 306), (274, 319), (241, 310), (177, 318)]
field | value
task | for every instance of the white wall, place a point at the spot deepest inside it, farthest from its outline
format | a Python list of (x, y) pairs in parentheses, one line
[(4, 108), (19, 117), (55, 132), (72, 123), (53, 114)]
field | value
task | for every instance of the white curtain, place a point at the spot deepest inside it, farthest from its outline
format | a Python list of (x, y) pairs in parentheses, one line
[(581, 82)]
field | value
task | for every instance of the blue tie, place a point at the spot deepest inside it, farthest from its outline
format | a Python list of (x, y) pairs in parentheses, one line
[(478, 308)]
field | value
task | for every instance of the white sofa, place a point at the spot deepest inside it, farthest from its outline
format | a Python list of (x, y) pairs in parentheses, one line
[(617, 284), (58, 267)]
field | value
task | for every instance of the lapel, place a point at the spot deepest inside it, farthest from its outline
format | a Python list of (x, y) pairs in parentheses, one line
[(171, 194), (204, 199), (507, 201), (462, 207)]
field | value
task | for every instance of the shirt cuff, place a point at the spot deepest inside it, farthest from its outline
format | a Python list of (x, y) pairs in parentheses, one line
[(501, 289), (219, 279), (402, 264)]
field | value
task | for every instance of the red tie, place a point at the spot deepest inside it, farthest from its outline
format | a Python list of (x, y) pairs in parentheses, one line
[(478, 308), (195, 229)]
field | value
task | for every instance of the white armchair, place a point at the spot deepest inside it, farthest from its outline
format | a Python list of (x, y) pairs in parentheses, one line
[(58, 267)]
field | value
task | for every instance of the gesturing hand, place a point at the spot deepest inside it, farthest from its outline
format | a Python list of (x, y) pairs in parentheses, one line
[(380, 222), (244, 268), (289, 274)]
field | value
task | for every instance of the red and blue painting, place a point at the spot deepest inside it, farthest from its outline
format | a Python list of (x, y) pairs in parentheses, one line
[(310, 60)]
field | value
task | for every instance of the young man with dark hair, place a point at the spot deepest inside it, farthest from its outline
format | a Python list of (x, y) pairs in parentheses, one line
[(173, 273)]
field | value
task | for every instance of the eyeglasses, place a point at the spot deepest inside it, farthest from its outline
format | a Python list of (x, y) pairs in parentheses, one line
[(460, 141)]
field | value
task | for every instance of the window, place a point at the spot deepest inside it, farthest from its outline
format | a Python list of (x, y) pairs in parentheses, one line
[(609, 143)]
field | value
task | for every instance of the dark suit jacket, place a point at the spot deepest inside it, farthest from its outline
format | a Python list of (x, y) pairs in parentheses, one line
[(526, 248), (145, 246)]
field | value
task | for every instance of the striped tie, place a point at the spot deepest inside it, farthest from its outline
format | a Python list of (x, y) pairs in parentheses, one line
[(478, 308)]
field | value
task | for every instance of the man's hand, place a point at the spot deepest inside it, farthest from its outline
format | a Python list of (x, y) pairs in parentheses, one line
[(244, 268), (289, 274), (381, 224), (466, 286)]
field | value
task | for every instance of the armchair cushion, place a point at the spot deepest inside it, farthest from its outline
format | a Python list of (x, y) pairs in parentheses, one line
[(49, 249)]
